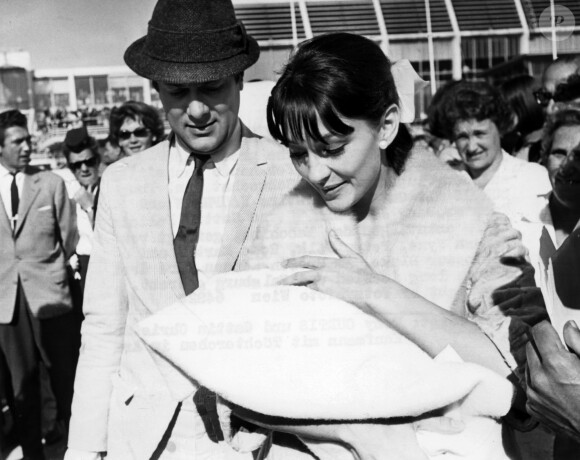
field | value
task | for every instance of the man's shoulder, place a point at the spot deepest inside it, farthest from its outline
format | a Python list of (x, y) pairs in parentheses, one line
[(47, 177), (136, 164)]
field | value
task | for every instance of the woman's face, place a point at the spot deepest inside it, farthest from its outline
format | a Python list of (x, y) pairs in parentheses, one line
[(134, 137), (346, 170), (478, 143)]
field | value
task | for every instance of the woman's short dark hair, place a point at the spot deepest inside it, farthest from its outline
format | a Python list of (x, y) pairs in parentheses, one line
[(330, 76), (519, 94), (138, 111), (559, 119), (437, 120), (480, 101)]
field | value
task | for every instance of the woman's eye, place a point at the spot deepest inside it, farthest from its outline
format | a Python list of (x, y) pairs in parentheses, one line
[(333, 152), (297, 154)]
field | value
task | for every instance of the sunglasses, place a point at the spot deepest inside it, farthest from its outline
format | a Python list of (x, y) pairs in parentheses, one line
[(543, 97), (139, 132), (91, 162)]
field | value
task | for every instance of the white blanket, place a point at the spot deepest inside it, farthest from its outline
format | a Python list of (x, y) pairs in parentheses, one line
[(292, 352)]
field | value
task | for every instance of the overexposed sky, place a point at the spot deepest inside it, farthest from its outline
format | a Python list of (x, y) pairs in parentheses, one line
[(73, 33)]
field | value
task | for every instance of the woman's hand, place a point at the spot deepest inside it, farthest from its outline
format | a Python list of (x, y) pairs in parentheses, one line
[(349, 277)]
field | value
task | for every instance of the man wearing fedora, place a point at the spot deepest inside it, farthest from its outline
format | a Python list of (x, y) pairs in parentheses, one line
[(203, 191)]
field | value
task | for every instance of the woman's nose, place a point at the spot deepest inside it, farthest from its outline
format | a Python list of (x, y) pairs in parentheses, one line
[(318, 170)]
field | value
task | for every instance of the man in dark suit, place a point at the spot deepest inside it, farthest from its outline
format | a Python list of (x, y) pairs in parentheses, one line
[(37, 235)]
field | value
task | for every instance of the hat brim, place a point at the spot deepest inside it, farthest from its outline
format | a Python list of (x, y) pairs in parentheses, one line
[(188, 72)]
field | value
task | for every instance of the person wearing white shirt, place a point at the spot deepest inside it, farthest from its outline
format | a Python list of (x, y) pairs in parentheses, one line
[(479, 115)]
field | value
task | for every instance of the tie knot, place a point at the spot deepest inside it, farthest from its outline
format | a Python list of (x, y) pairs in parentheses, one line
[(199, 160)]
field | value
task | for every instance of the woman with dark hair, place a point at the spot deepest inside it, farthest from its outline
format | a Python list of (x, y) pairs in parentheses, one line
[(519, 189), (390, 230), (524, 140), (135, 126)]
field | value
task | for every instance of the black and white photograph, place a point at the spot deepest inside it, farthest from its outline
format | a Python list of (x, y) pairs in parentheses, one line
[(289, 229)]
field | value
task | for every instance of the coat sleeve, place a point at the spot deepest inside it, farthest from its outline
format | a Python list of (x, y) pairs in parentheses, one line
[(67, 219), (105, 309), (501, 294)]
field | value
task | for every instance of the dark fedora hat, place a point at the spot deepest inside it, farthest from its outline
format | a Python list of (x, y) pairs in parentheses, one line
[(192, 41)]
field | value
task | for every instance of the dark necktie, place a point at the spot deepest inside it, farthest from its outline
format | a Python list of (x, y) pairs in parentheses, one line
[(184, 245), (185, 240), (15, 200)]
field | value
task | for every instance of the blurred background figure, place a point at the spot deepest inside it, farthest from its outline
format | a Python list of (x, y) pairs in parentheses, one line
[(519, 189), (557, 72), (524, 139), (37, 325), (567, 94), (135, 126), (82, 156), (439, 128), (111, 152), (561, 155)]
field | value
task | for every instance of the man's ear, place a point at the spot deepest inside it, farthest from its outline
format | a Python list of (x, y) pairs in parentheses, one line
[(390, 124)]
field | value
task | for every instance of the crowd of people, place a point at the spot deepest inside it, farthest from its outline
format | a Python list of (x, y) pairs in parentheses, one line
[(438, 243)]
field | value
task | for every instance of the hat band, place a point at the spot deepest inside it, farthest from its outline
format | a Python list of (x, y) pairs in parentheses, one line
[(196, 47)]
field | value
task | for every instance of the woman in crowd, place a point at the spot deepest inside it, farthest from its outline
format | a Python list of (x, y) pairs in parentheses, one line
[(406, 233), (519, 189), (524, 140), (135, 126)]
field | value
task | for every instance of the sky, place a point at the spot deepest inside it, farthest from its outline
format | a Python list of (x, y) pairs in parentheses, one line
[(73, 33)]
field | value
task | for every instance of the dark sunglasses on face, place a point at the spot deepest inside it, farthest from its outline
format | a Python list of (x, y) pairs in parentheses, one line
[(543, 97), (91, 162), (139, 132)]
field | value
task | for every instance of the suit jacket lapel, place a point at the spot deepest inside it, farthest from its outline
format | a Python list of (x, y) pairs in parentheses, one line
[(29, 192), (249, 182), (158, 215)]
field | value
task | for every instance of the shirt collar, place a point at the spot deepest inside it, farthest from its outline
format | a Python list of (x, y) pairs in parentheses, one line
[(223, 163), (4, 172)]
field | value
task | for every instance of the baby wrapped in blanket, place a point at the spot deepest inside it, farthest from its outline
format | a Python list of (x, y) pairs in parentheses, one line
[(291, 352)]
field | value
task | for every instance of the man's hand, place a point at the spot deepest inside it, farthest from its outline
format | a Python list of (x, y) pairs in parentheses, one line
[(553, 377)]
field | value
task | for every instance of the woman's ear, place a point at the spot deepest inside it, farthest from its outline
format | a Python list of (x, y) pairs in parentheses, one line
[(389, 126)]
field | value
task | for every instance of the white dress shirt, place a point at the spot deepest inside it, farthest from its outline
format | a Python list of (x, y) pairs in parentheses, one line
[(218, 182), (5, 184)]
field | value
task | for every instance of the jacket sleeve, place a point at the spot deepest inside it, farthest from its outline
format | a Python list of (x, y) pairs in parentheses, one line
[(501, 294), (67, 219), (105, 309)]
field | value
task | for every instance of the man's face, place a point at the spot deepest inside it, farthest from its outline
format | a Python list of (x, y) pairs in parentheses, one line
[(563, 165), (204, 116), (478, 143), (85, 166), (15, 153)]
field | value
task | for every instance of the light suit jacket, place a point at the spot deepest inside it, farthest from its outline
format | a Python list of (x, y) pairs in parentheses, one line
[(123, 393), (44, 238)]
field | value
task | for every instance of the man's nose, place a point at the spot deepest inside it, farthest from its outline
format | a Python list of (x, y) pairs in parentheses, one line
[(84, 167), (197, 109)]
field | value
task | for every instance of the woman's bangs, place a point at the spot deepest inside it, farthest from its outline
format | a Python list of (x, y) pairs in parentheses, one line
[(293, 119)]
